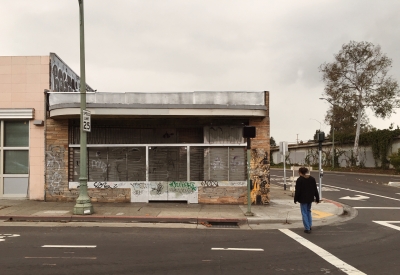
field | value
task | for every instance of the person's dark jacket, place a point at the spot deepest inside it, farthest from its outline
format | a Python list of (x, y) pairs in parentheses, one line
[(306, 190)]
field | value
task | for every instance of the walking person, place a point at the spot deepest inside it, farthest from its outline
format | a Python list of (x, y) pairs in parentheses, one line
[(306, 191)]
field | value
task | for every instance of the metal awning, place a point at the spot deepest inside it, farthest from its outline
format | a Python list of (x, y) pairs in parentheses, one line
[(17, 113), (233, 104)]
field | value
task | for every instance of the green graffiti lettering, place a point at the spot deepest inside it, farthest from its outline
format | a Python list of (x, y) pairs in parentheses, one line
[(183, 184)]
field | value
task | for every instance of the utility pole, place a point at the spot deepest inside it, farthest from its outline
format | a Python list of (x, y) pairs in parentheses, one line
[(83, 205)]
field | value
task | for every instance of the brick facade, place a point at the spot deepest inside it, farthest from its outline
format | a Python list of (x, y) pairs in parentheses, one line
[(57, 188), (57, 152), (260, 162), (223, 195)]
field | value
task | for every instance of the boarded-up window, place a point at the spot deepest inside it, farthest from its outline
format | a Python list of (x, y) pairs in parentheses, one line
[(117, 164), (237, 163), (115, 135), (197, 167), (190, 135), (136, 159), (218, 163), (224, 163), (98, 164), (111, 164), (74, 164), (167, 163), (223, 135)]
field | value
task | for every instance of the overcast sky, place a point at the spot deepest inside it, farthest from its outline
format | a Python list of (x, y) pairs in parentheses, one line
[(209, 45)]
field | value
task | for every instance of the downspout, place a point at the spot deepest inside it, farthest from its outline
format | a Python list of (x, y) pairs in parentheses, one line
[(46, 110)]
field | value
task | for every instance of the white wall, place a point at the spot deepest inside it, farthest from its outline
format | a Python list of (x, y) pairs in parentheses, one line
[(298, 154)]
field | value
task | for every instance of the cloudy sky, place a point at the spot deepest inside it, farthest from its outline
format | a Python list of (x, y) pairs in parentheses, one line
[(209, 45)]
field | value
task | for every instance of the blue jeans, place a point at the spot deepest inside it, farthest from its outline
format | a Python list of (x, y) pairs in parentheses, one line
[(306, 214)]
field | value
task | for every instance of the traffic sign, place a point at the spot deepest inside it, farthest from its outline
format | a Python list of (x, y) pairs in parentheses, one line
[(283, 148), (86, 121)]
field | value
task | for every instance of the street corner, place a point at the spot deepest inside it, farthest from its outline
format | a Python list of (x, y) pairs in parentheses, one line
[(316, 214), (330, 206)]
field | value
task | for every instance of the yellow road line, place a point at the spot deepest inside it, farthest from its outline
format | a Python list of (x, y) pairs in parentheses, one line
[(320, 215)]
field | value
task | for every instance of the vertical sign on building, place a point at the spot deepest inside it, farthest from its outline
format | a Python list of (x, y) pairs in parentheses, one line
[(63, 78), (86, 121)]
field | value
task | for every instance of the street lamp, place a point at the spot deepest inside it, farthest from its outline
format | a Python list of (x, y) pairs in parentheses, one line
[(333, 133), (318, 122), (83, 205)]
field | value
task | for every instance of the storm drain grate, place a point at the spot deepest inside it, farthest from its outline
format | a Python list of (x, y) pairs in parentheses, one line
[(224, 224)]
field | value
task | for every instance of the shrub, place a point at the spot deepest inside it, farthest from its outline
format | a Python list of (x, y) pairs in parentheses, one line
[(395, 160)]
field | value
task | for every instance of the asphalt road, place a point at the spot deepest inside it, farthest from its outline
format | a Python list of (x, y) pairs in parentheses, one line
[(356, 246), (371, 240)]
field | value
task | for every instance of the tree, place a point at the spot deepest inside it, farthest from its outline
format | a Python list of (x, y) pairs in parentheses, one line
[(344, 119), (272, 142), (359, 78)]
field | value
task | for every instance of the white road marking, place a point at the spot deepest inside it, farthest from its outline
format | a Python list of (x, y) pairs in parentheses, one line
[(394, 183), (333, 260), (389, 224), (363, 192), (119, 214), (356, 198), (85, 258), (69, 246), (2, 236), (329, 189), (238, 249), (376, 207)]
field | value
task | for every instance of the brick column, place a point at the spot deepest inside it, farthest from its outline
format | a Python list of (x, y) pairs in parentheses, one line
[(56, 160), (260, 163)]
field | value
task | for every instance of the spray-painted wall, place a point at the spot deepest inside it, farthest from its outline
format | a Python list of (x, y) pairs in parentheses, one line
[(57, 158), (199, 159), (213, 171)]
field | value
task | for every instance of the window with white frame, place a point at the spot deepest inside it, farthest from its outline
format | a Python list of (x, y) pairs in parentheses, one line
[(14, 146)]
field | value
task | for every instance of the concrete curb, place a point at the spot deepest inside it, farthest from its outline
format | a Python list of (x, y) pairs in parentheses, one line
[(338, 205), (266, 221), (120, 219)]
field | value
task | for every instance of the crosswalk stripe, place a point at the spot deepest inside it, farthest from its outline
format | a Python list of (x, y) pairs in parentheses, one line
[(238, 249), (333, 260), (69, 246)]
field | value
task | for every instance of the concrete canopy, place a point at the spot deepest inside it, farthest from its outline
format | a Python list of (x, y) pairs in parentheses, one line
[(243, 104)]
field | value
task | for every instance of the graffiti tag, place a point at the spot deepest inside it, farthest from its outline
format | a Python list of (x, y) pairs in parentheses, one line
[(209, 183)]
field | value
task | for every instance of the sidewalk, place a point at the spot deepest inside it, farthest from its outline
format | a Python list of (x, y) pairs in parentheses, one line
[(281, 211)]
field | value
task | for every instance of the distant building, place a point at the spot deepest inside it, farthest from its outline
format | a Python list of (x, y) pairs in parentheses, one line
[(142, 146)]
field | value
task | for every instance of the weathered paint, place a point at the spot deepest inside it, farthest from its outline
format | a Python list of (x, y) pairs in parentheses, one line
[(161, 190)]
